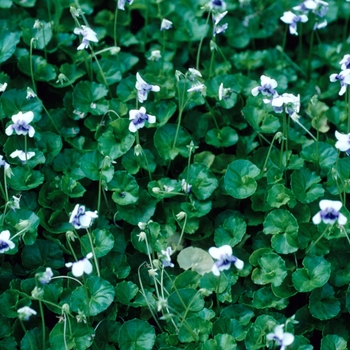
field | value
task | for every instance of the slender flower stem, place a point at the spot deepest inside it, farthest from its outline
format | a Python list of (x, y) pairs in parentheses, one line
[(268, 153), (310, 54), (94, 253), (101, 71), (67, 277), (182, 233), (115, 24), (319, 238), (217, 294), (32, 40), (201, 42), (42, 323), (146, 299)]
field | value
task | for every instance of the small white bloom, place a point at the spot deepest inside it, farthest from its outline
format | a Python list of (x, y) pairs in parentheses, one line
[(30, 93), (345, 62), (81, 266), (5, 242), (14, 203), (3, 87), (81, 115), (166, 260), (282, 338), (45, 277), (166, 24), (4, 164), (224, 259), (195, 72), (21, 124), (25, 312), (220, 29), (138, 119), (343, 143), (267, 87), (22, 155), (88, 35), (290, 102), (121, 4), (185, 186), (196, 87), (292, 19), (329, 213), (343, 77), (81, 218), (143, 88), (217, 17), (224, 93), (155, 55)]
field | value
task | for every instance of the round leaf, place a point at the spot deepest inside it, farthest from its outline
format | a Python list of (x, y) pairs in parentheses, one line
[(239, 179)]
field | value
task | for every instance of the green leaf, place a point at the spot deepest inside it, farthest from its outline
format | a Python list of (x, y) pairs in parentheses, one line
[(196, 208), (322, 303), (314, 274), (42, 253), (25, 179), (241, 313), (125, 292), (279, 195), (77, 336), (333, 342), (195, 259), (117, 139), (8, 42), (186, 301), (229, 326), (326, 155), (102, 240), (136, 335), (280, 221), (202, 179), (264, 298), (224, 137), (305, 185), (30, 230), (91, 163), (261, 121), (43, 71), (239, 179), (164, 141), (125, 188), (141, 211), (230, 232), (9, 300), (202, 327), (101, 294), (272, 270), (43, 34), (33, 339), (88, 97), (164, 188)]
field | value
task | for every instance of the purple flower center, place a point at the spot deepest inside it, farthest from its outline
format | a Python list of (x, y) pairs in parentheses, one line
[(3, 245), (140, 118), (330, 214), (267, 90), (21, 126)]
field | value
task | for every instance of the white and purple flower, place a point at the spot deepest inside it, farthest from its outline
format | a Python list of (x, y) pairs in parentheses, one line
[(345, 62), (283, 339), (267, 87), (88, 35), (21, 124), (224, 259), (329, 213), (81, 266), (343, 77), (166, 24), (5, 242), (25, 312), (292, 19), (121, 4), (343, 143), (138, 119), (217, 5), (144, 88), (81, 218), (22, 155), (166, 259)]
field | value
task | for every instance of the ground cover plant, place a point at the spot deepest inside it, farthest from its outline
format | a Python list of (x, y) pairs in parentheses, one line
[(174, 174)]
